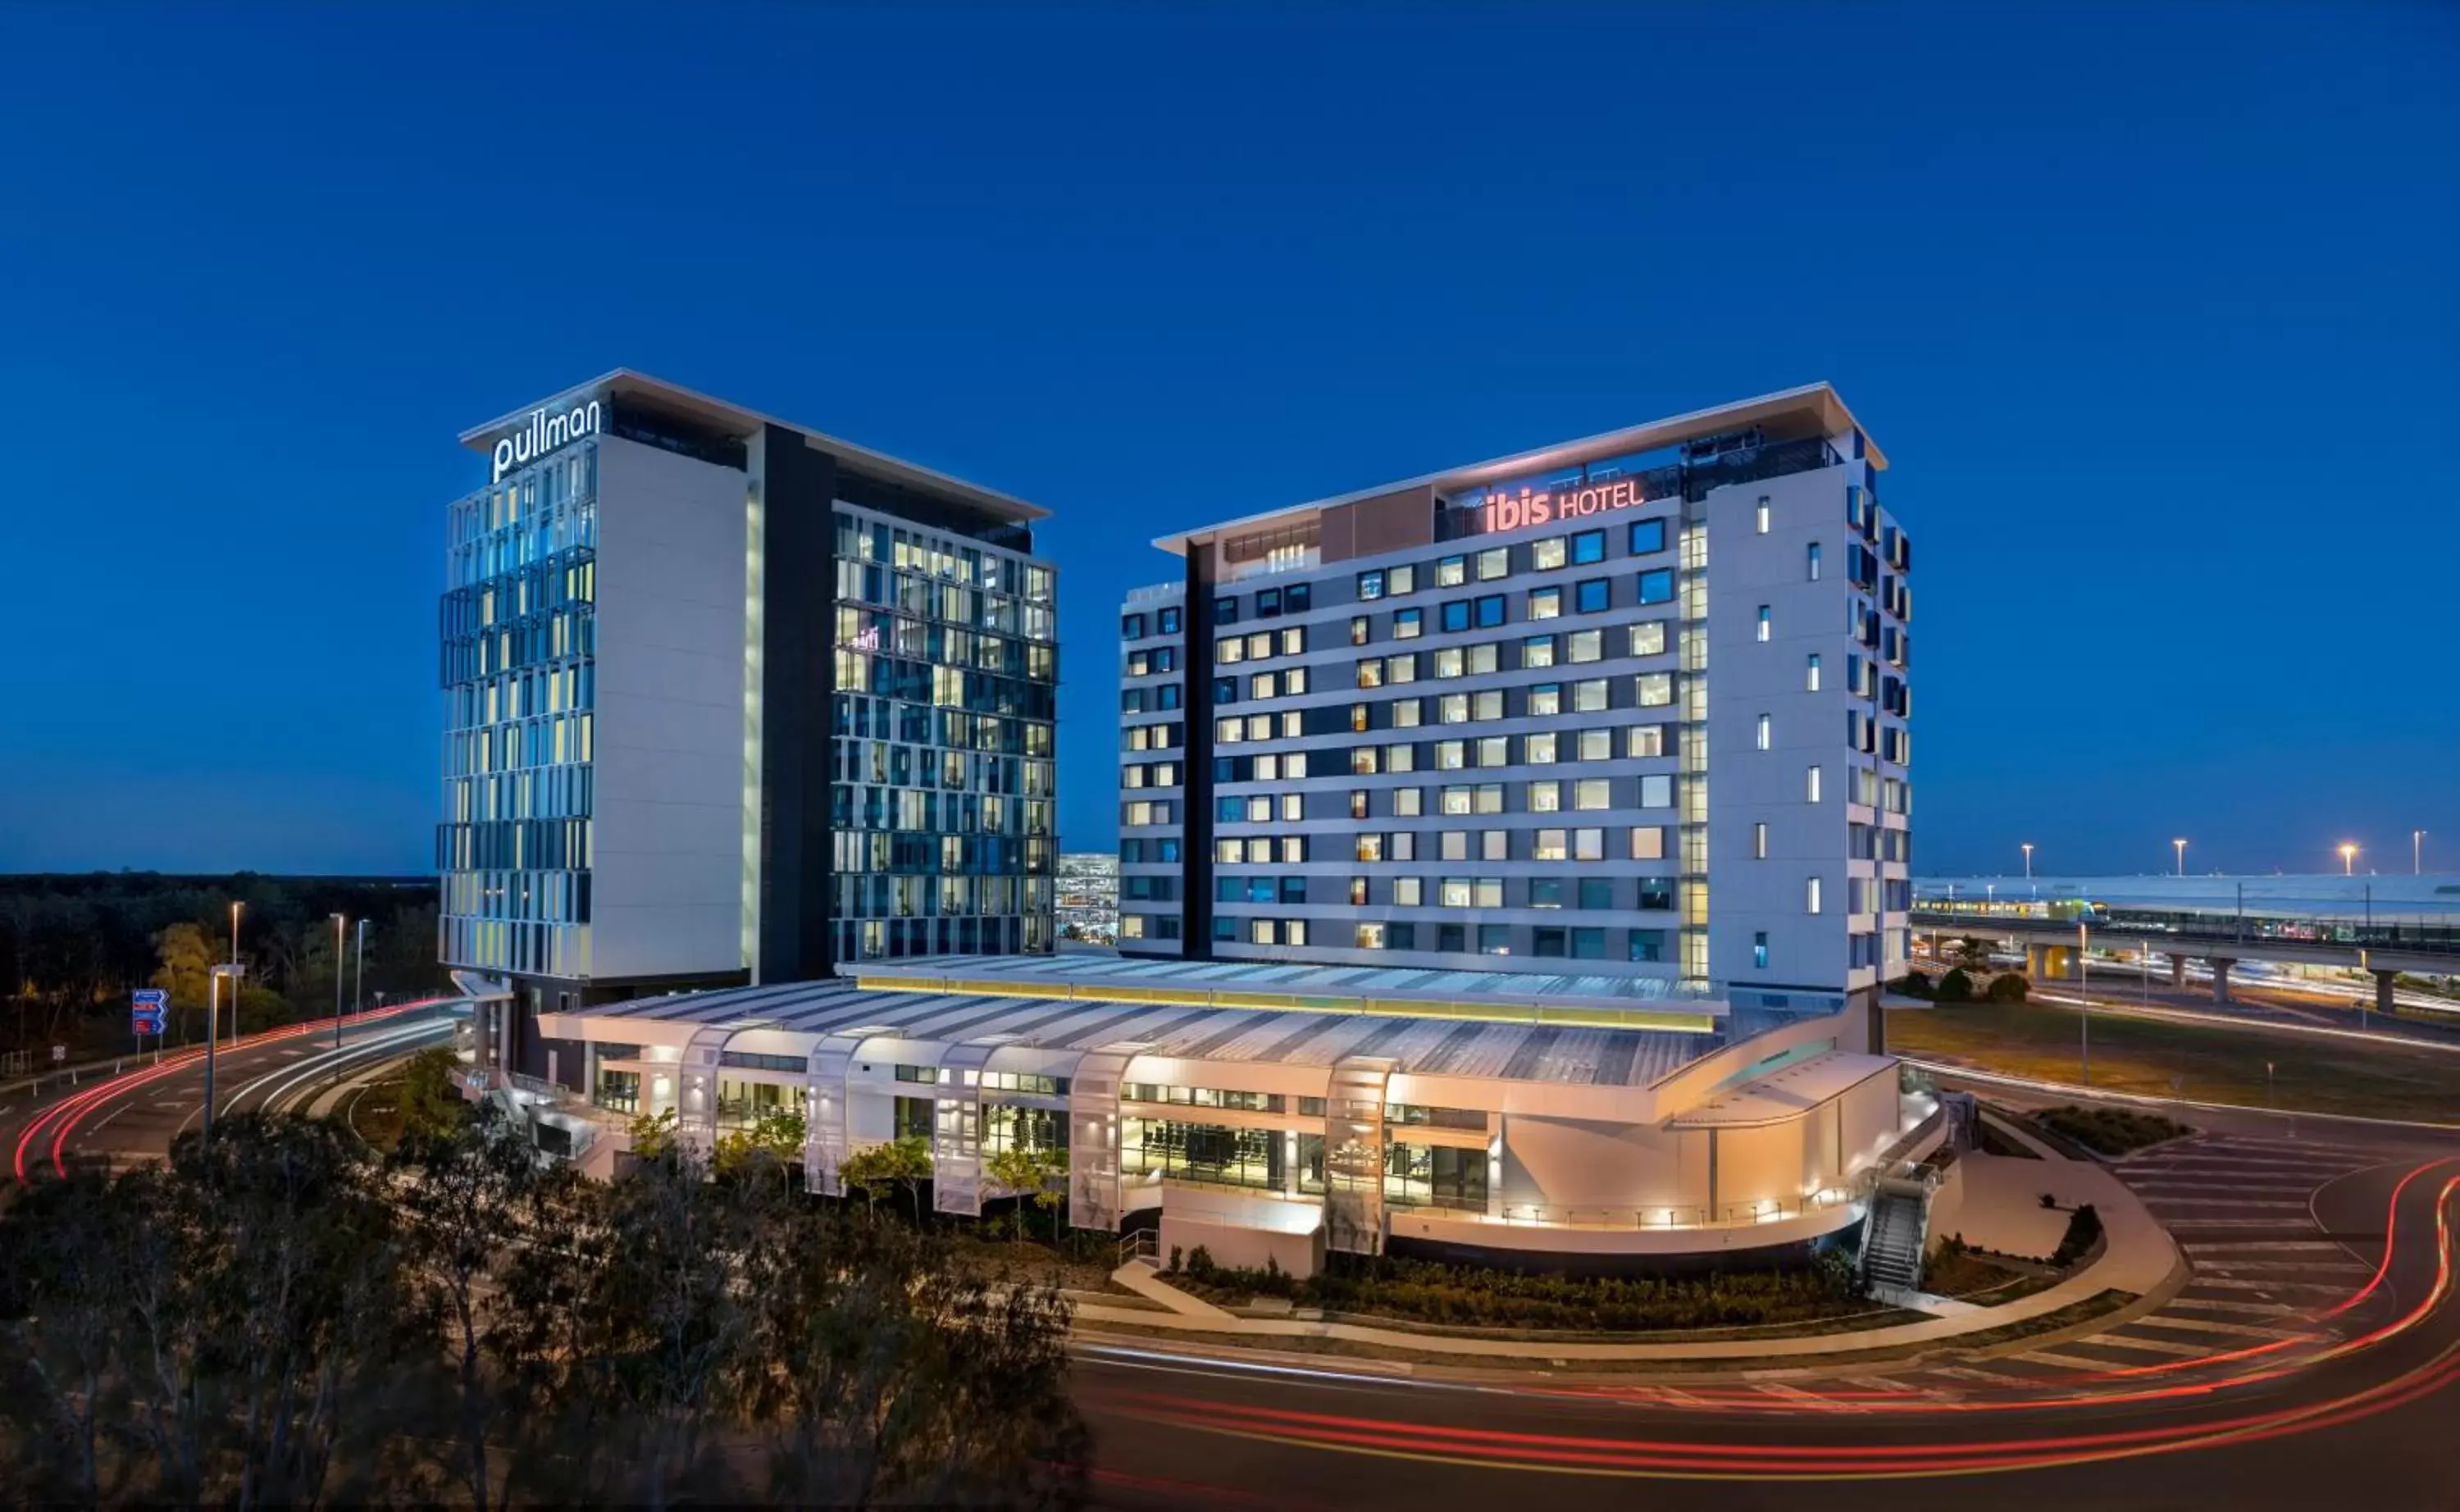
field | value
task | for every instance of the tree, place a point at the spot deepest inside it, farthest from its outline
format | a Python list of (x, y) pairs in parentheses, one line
[(774, 1141), (187, 963), (899, 1162), (2005, 988), (432, 1106), (1956, 986), (653, 1135), (1027, 1171)]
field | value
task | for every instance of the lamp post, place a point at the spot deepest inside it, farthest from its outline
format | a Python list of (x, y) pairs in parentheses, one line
[(2181, 846), (2417, 852), (2349, 859), (213, 1030), (339, 923), (2028, 860), (235, 906), (359, 971), (2084, 1003)]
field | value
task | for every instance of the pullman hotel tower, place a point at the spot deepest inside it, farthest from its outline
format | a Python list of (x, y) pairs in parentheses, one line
[(730, 702), (1628, 706)]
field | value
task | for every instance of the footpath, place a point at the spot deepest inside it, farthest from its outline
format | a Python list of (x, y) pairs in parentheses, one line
[(2000, 1208)]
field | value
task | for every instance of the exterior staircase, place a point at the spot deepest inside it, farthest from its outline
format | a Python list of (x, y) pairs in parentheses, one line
[(1892, 1247)]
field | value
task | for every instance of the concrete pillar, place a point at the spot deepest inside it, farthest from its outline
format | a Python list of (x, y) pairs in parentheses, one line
[(2384, 981), (2220, 979), (2177, 972), (2037, 963)]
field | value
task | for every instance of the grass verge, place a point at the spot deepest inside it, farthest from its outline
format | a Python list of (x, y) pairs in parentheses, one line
[(2163, 1058)]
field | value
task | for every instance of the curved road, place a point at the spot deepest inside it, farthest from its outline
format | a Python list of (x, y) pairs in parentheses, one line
[(138, 1114), (2299, 1366)]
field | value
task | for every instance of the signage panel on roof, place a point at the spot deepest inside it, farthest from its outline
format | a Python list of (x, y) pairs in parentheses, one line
[(1518, 509), (542, 432)]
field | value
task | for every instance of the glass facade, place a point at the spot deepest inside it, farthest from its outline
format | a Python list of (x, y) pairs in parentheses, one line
[(948, 666), (518, 672)]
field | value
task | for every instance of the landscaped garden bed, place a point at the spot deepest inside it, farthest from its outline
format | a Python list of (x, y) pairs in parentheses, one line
[(2109, 1131)]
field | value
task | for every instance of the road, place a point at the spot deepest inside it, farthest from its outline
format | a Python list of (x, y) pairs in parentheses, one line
[(2303, 1362), (138, 1115), (2299, 1366)]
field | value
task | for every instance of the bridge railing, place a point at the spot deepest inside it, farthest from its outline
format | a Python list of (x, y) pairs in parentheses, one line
[(2205, 929)]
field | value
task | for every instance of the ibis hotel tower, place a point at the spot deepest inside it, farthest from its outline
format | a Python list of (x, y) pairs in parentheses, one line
[(1634, 704), (728, 701)]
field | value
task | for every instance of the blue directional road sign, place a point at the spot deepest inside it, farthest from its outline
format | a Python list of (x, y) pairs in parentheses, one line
[(146, 1007)]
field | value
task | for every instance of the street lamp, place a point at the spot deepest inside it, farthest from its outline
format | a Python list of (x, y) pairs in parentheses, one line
[(2028, 860), (359, 973), (2417, 851), (2349, 859), (2182, 856), (213, 1028), (2084, 1003), (339, 923)]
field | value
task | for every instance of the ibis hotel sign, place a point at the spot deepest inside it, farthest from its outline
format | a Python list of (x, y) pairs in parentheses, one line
[(1514, 510), (541, 434)]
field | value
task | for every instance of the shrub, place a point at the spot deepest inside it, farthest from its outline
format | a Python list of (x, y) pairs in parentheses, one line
[(2109, 1131), (2008, 989), (1913, 984), (2084, 1226), (1956, 986)]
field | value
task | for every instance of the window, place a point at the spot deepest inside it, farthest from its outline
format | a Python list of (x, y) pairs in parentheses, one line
[(1451, 573), (1764, 732), (1763, 517), (1589, 696), (1454, 845), (1546, 892), (1545, 604), (1812, 786), (1539, 750), (1648, 945), (1653, 689), (1358, 630), (1408, 802), (1591, 793), (1657, 790), (1759, 951), (1597, 893), (1407, 624), (1225, 611), (1370, 937), (1648, 639), (1369, 848), (1762, 632), (1370, 673), (1811, 896), (1585, 645), (1547, 942), (1132, 701), (1495, 562), (1370, 585), (1451, 938), (1545, 797), (1358, 803), (1167, 622), (1545, 698), (1657, 894), (1656, 585), (1811, 556), (1546, 555), (1268, 605), (1132, 627), (1408, 892), (1298, 596), (1592, 595), (1538, 651), (1597, 745), (1645, 740), (1450, 662), (1588, 546), (1455, 615), (1495, 939), (1810, 674), (1401, 580), (1648, 843), (1647, 536), (1759, 842), (1588, 945)]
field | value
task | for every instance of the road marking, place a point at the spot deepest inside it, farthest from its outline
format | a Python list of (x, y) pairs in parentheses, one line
[(2123, 1341), (2261, 1310), (2219, 1202), (2240, 1267), (2236, 1331), (171, 1102), (2155, 1191), (1887, 1385), (96, 1126), (2190, 1222), (1799, 1398), (1968, 1372), (2224, 1283), (2064, 1362), (2254, 1141), (2266, 1246)]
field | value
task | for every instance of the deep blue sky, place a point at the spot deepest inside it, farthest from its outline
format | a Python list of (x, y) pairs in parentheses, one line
[(2153, 309)]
